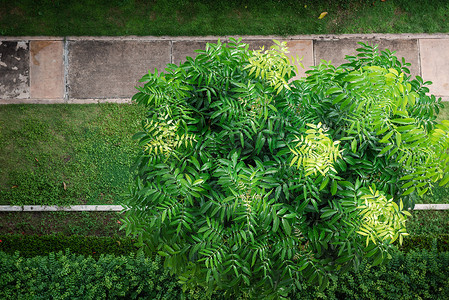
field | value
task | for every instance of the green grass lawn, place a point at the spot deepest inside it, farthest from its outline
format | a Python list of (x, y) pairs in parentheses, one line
[(66, 154), (231, 17), (78, 154)]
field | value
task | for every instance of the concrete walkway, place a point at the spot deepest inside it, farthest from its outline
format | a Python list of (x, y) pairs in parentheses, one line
[(98, 69)]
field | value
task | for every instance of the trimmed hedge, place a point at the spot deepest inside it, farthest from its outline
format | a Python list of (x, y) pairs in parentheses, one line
[(33, 245), (414, 275), (439, 242), (108, 268)]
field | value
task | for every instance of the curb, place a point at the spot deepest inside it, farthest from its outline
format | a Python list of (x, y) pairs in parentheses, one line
[(431, 207), (47, 208), (119, 208), (365, 36)]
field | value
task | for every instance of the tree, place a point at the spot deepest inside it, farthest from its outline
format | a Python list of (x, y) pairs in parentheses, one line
[(249, 182)]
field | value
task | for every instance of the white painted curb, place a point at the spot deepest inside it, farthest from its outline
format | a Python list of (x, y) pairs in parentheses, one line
[(29, 208), (431, 207), (118, 208)]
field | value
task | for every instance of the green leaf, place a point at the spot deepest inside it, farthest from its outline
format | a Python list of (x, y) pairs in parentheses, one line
[(407, 177), (398, 139), (382, 130), (275, 222), (405, 128), (327, 214), (324, 183), (333, 90), (403, 121), (338, 99), (386, 149), (334, 188), (349, 160), (387, 137), (353, 78), (372, 252), (286, 226), (422, 192), (354, 145), (444, 181), (198, 181), (409, 191)]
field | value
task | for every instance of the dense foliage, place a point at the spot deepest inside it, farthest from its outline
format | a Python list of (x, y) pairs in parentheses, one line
[(415, 275), (250, 182), (419, 274), (70, 276), (95, 246), (42, 245)]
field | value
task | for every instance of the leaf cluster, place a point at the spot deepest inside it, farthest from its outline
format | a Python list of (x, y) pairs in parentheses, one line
[(249, 182)]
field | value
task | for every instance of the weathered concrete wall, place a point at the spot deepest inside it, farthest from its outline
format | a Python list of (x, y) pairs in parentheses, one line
[(92, 69)]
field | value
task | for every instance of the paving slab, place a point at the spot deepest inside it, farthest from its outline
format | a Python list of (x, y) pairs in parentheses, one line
[(435, 64), (182, 49), (303, 49), (111, 69), (258, 44), (14, 70), (336, 50), (46, 70)]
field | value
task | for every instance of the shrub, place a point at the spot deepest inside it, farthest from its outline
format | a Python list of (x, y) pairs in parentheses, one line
[(249, 183), (34, 245), (70, 276), (419, 274)]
